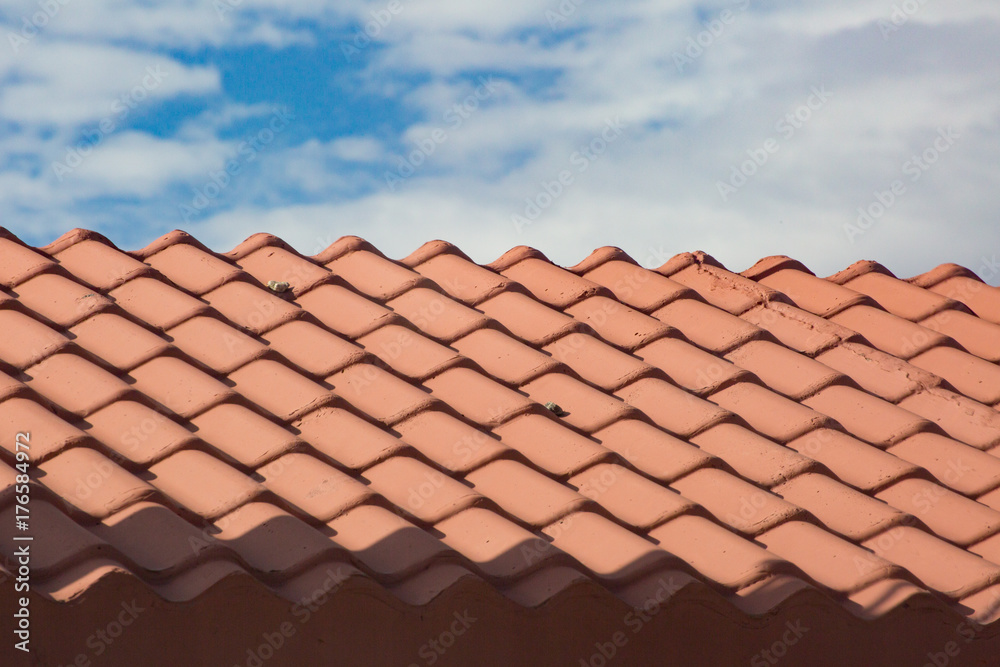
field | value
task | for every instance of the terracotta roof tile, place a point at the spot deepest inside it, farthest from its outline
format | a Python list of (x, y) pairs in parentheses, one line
[(279, 389), (221, 347), (618, 324), (550, 284), (450, 442), (58, 541), (75, 384), (179, 386), (526, 494), (979, 337), (384, 542), (92, 482), (786, 371), (975, 377), (724, 290), (528, 319), (505, 358), (760, 443), (949, 515), (840, 508), (769, 412), (243, 434), (21, 263), (408, 353), (192, 268), (798, 329), (202, 483), (378, 392), (830, 560), (424, 492), (122, 343), (868, 417), (312, 348), (100, 265), (673, 409), (690, 367), (946, 568), (754, 457), (638, 287), (345, 312), (957, 466), (374, 275), (157, 303), (254, 309), (657, 454), (270, 540), (896, 336), (346, 438), (856, 463), (718, 554), (547, 444), (612, 553), (154, 537), (313, 487), (959, 416), (27, 341), (584, 407), (60, 299), (736, 503), (630, 497), (138, 433), (436, 314), (597, 362), (818, 296), (460, 278), (878, 373), (710, 328), (50, 433), (278, 264), (498, 547), (898, 297), (981, 299)]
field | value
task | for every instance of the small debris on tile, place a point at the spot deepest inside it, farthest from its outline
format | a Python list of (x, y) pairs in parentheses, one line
[(278, 286), (555, 409)]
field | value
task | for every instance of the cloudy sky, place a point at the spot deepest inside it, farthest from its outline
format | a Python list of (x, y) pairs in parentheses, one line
[(831, 132)]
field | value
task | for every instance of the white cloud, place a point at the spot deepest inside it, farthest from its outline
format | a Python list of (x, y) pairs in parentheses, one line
[(69, 84), (655, 187)]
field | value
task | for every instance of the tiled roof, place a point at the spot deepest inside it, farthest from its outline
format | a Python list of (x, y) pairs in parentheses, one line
[(757, 439)]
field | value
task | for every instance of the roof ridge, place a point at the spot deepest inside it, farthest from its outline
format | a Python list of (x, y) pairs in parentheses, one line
[(766, 266), (857, 269)]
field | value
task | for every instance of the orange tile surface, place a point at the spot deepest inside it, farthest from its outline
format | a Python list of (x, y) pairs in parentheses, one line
[(432, 422)]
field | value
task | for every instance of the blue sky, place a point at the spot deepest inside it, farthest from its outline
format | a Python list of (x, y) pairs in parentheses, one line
[(859, 130)]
